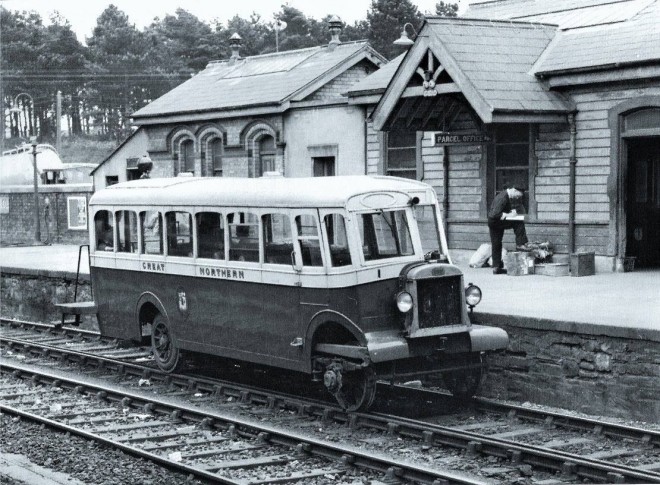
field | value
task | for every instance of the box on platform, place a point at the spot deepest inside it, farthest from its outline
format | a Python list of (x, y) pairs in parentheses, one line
[(519, 263), (552, 269), (583, 264)]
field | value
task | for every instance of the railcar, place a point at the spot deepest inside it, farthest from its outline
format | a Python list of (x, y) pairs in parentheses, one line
[(345, 279)]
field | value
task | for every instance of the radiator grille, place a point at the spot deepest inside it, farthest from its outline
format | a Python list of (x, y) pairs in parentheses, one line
[(439, 301)]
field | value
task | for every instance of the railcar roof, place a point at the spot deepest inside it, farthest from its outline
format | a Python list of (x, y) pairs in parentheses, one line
[(251, 192)]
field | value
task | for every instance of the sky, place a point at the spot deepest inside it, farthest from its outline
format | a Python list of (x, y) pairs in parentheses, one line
[(82, 14)]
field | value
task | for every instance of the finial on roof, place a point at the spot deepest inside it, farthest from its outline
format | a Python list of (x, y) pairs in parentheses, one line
[(235, 44), (336, 27)]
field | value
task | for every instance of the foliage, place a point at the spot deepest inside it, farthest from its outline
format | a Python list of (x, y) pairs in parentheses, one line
[(446, 9), (119, 68)]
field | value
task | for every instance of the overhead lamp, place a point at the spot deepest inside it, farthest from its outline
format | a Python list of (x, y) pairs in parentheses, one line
[(404, 40)]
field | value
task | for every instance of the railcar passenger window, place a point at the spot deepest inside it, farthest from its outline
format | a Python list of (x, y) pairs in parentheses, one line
[(278, 242), (152, 232), (104, 231), (308, 238), (335, 227), (210, 235), (243, 236), (385, 235), (427, 223), (179, 233), (127, 235)]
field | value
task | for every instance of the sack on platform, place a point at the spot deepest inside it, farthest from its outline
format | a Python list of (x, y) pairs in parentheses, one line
[(480, 257)]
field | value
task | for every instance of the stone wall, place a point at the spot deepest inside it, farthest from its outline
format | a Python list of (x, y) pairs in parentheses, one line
[(32, 294), (611, 371)]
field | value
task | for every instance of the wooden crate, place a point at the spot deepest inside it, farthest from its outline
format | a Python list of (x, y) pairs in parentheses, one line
[(552, 269), (583, 264)]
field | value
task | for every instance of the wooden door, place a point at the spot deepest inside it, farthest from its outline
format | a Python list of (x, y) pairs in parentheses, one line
[(643, 201)]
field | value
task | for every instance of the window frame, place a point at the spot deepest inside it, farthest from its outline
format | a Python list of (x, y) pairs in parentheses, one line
[(385, 150), (488, 178)]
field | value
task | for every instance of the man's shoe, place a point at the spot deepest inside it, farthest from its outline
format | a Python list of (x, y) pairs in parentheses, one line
[(499, 271)]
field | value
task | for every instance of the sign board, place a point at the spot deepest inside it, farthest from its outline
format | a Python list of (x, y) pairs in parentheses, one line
[(448, 138), (4, 205), (76, 211)]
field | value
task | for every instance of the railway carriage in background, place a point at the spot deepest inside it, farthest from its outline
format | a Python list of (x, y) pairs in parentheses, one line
[(346, 279)]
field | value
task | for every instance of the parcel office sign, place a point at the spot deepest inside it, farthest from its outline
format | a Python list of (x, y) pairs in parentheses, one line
[(449, 138)]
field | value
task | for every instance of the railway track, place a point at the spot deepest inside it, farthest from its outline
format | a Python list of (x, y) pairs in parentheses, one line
[(518, 437)]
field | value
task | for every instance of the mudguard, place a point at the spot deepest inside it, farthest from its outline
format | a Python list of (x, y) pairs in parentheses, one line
[(485, 338)]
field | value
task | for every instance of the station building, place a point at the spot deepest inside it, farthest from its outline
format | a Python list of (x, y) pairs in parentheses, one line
[(283, 112), (560, 98)]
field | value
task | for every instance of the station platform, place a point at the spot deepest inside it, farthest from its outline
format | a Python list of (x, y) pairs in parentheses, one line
[(616, 304)]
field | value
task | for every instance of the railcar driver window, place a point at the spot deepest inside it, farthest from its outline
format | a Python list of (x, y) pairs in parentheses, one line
[(335, 227), (427, 223), (385, 235)]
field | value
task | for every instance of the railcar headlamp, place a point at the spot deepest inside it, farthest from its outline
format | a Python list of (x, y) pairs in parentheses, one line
[(472, 295), (404, 302)]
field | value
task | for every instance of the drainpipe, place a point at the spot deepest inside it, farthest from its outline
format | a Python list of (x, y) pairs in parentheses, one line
[(571, 175), (445, 186)]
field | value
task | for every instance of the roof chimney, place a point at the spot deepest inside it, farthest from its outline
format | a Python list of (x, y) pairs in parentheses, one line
[(335, 29), (235, 45)]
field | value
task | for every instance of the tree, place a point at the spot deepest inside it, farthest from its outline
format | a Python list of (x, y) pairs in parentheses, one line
[(386, 19), (443, 9)]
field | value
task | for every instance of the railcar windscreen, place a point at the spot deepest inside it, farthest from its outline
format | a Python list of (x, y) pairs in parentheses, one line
[(427, 223), (385, 235)]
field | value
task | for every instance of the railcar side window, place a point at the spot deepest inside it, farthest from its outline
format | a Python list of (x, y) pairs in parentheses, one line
[(179, 233), (127, 235), (210, 235), (243, 236), (385, 235), (152, 232), (104, 231), (308, 238), (335, 227), (278, 242), (427, 223)]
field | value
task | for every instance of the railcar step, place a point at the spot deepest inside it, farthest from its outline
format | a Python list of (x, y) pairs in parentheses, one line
[(78, 307)]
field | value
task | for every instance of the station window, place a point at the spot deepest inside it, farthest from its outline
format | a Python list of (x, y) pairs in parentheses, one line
[(385, 235), (215, 149), (335, 227), (243, 236), (308, 238), (278, 242), (401, 154), (152, 232), (179, 233), (127, 234), (104, 231), (210, 235), (512, 156)]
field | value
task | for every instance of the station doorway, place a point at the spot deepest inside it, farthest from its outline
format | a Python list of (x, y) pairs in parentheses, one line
[(643, 201)]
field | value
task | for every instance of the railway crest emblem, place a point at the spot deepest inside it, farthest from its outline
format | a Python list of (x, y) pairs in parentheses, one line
[(182, 300)]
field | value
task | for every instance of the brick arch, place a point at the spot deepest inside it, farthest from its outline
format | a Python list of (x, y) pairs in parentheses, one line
[(174, 140), (618, 178), (205, 135), (255, 130)]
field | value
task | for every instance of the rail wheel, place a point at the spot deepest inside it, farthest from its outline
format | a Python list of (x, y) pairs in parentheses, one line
[(166, 354), (464, 383), (354, 390)]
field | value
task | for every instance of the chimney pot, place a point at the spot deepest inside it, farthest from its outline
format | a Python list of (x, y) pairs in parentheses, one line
[(235, 44), (336, 27)]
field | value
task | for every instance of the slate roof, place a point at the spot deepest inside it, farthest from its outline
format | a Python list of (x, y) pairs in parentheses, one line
[(377, 81), (262, 80), (636, 41), (496, 57)]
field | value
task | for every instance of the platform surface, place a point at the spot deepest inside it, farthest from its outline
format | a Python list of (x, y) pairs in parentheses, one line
[(626, 302)]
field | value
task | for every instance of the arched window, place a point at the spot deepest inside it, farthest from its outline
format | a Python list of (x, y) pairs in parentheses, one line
[(215, 155), (187, 156), (266, 159)]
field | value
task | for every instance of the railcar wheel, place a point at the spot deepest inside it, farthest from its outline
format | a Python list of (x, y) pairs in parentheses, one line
[(464, 383), (166, 354), (354, 390)]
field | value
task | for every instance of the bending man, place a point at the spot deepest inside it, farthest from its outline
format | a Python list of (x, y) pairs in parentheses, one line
[(505, 207)]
